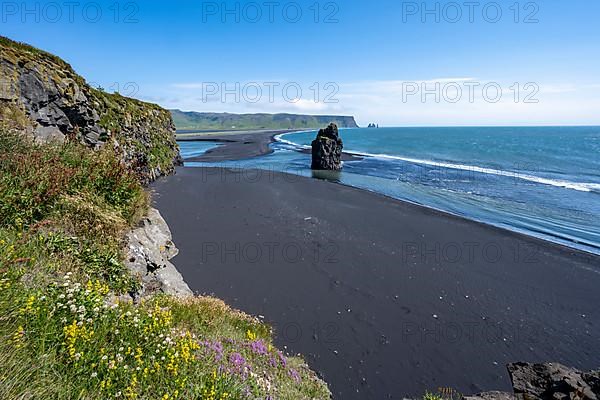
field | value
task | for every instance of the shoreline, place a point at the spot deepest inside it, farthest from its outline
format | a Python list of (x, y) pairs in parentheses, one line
[(236, 145), (239, 145), (393, 271)]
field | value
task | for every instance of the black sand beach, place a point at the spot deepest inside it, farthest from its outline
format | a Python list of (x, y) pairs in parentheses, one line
[(239, 145), (235, 145), (384, 298)]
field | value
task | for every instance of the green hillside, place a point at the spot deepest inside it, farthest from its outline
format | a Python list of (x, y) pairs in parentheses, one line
[(225, 121)]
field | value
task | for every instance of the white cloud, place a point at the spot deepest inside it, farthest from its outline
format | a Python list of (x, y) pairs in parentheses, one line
[(386, 102)]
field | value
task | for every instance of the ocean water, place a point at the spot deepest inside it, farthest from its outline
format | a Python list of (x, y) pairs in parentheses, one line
[(542, 181), (195, 149)]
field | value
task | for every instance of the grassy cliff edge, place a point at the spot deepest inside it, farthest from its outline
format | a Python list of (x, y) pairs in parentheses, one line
[(42, 95), (69, 327)]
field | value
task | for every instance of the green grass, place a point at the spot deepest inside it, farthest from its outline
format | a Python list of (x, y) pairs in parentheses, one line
[(445, 393), (64, 334), (33, 51)]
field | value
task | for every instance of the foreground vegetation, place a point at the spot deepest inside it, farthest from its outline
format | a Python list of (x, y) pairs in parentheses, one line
[(64, 332)]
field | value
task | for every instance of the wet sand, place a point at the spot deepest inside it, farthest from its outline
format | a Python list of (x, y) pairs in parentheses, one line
[(238, 145), (383, 298), (235, 145)]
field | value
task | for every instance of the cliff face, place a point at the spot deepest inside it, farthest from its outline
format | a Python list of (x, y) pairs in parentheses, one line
[(43, 96)]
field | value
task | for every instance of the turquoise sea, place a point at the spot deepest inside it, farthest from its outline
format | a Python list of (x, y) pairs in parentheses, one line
[(542, 181)]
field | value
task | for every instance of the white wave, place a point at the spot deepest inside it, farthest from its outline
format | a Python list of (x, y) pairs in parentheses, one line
[(579, 186), (280, 138)]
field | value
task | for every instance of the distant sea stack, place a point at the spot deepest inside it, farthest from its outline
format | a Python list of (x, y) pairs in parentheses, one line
[(327, 149)]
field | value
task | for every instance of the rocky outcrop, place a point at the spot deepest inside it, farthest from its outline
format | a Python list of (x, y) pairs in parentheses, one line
[(553, 381), (327, 149), (550, 381), (149, 249), (41, 94)]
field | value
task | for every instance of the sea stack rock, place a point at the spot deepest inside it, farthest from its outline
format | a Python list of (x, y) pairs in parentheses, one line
[(327, 149)]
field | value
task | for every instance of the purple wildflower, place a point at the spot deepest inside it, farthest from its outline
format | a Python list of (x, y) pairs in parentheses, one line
[(259, 347), (239, 365), (294, 374), (215, 347), (273, 362), (282, 359), (237, 360)]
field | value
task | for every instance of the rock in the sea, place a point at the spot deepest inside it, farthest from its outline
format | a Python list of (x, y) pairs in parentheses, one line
[(553, 381), (327, 149), (149, 249)]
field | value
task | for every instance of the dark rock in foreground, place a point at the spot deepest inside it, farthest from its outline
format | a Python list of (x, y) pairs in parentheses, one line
[(553, 381), (327, 149), (550, 381)]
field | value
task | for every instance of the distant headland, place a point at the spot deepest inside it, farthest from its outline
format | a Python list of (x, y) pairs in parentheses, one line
[(226, 121)]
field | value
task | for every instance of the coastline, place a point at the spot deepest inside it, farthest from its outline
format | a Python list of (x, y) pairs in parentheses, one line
[(236, 145), (395, 276), (239, 145)]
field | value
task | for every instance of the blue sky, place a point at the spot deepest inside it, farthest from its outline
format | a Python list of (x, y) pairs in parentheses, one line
[(373, 60)]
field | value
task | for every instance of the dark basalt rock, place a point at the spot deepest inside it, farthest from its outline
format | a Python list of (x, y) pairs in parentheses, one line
[(327, 149), (44, 98), (57, 111), (550, 381), (553, 381)]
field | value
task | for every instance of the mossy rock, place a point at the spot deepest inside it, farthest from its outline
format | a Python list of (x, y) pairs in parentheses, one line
[(41, 94)]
